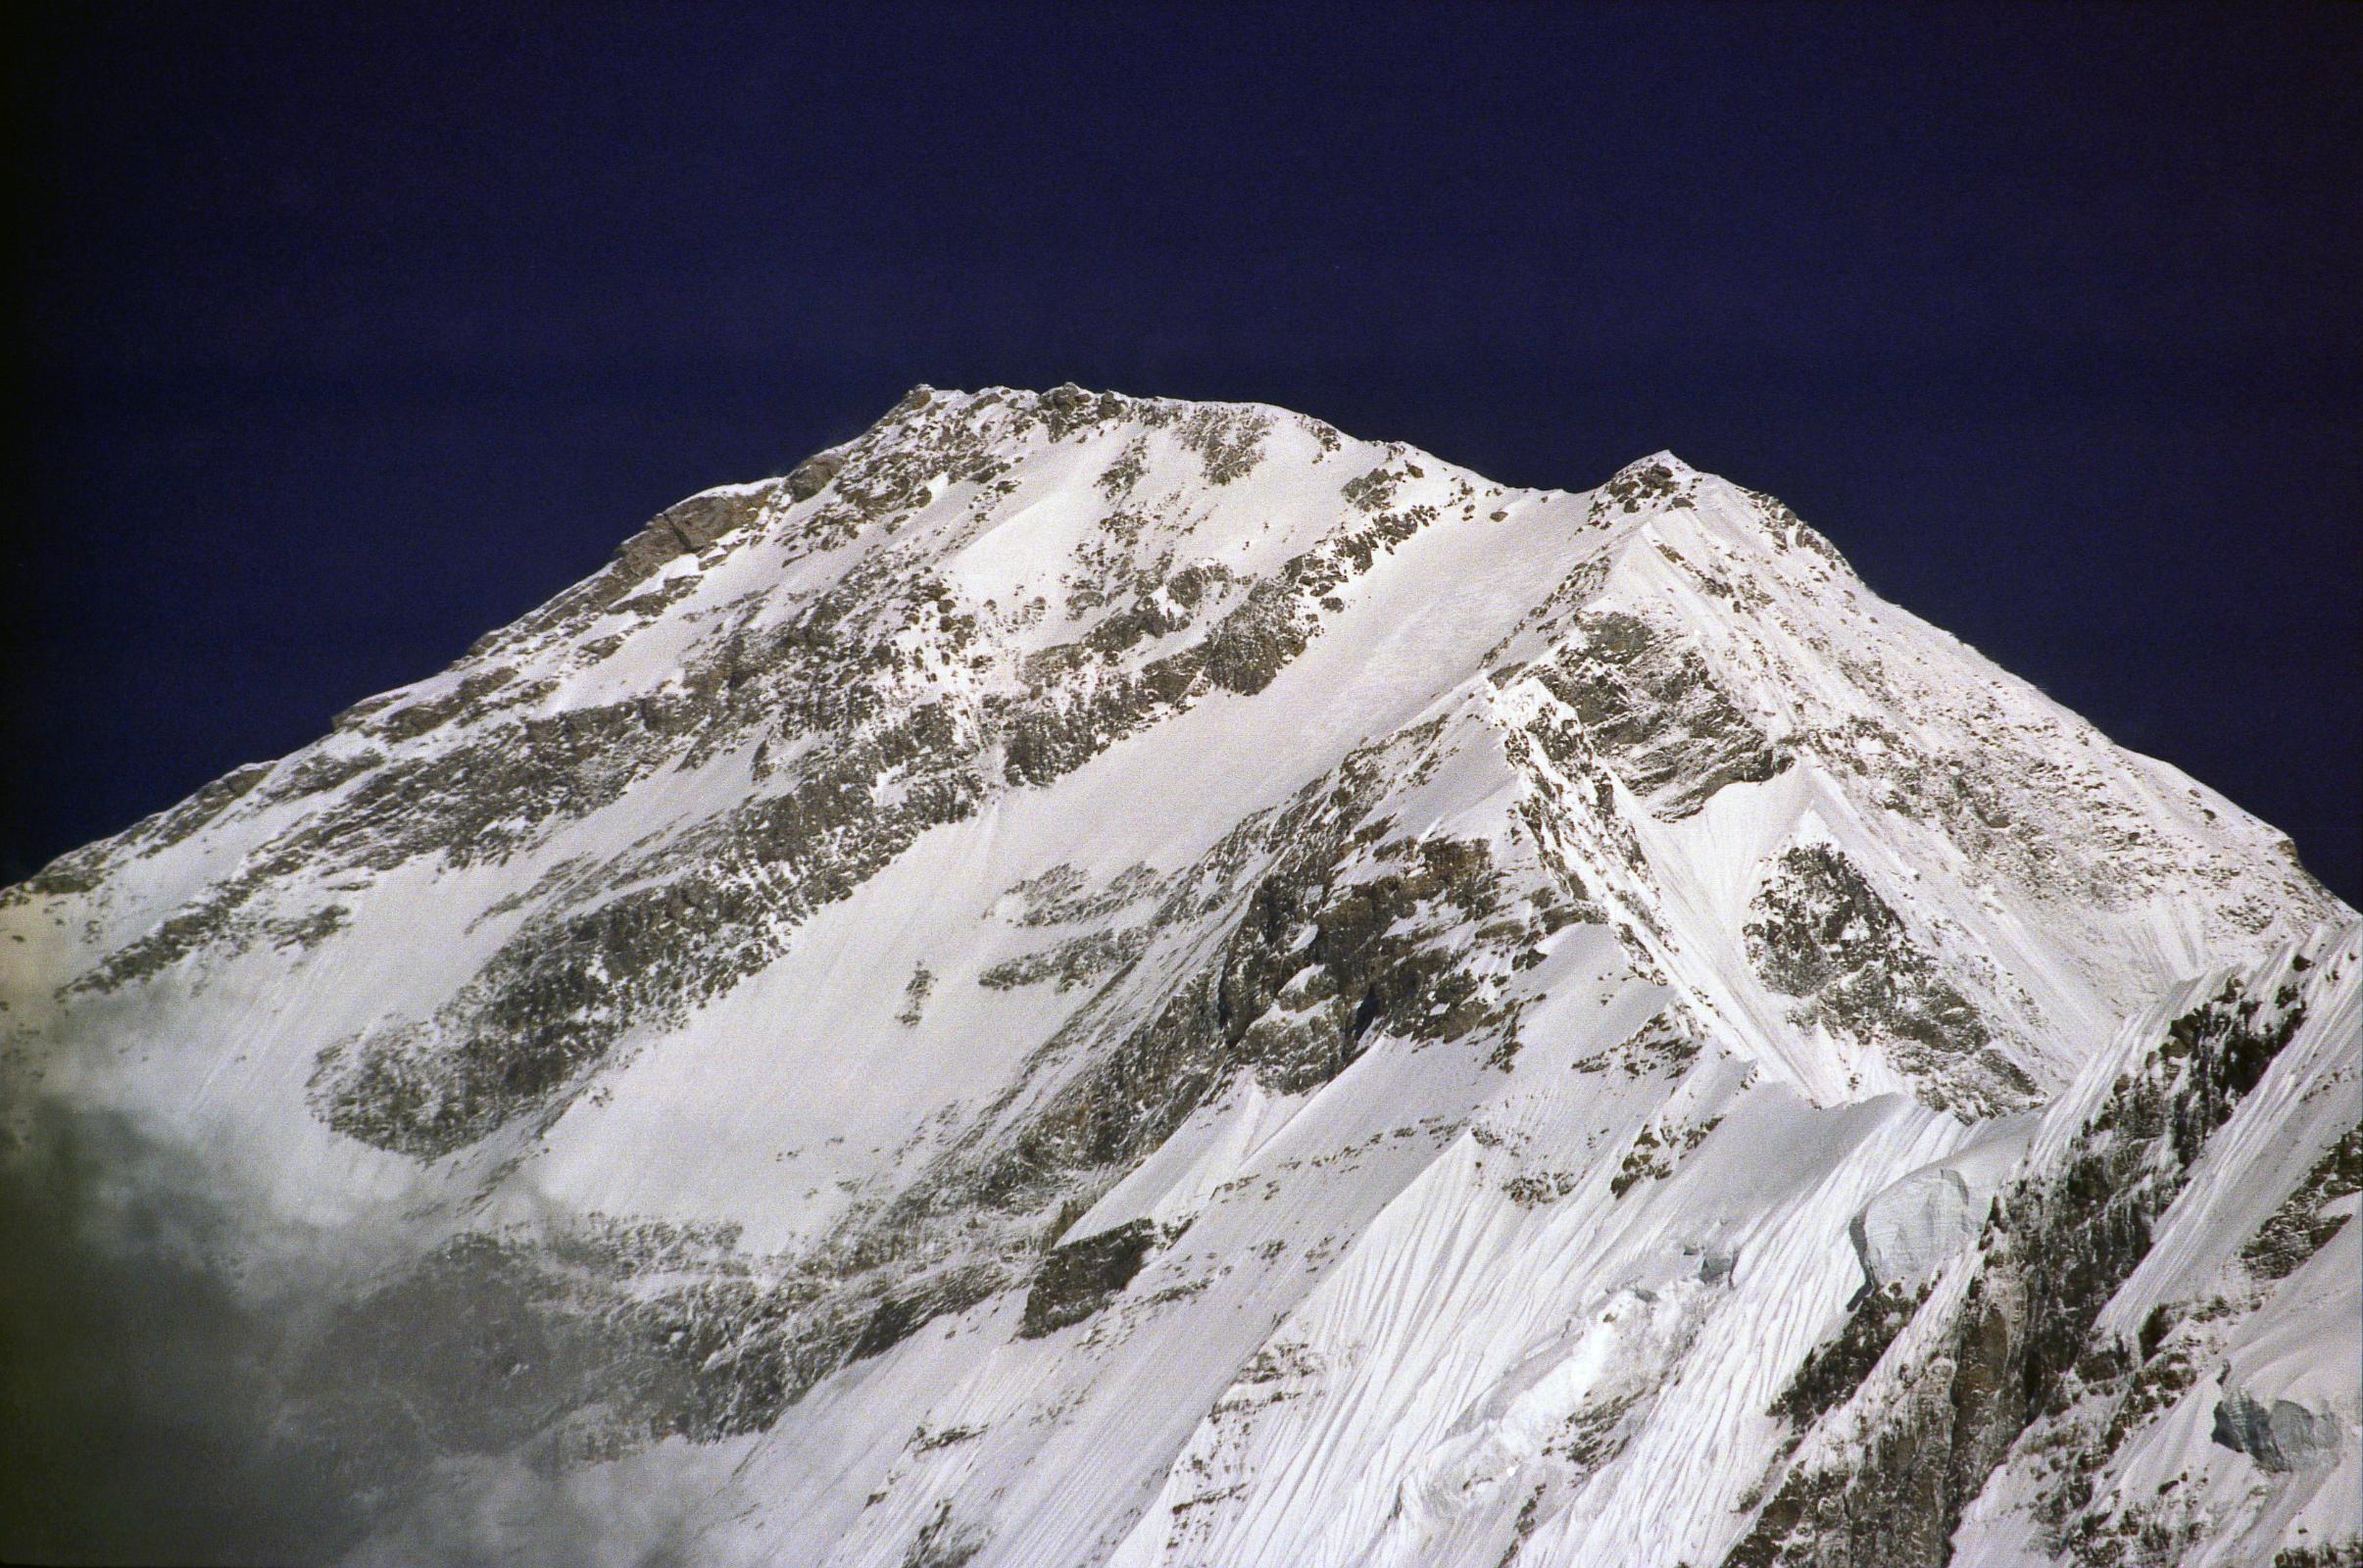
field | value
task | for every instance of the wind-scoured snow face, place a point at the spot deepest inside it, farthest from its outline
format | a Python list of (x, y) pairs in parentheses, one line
[(1088, 979)]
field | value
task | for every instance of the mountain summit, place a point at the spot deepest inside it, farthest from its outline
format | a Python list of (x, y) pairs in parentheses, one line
[(1096, 980)]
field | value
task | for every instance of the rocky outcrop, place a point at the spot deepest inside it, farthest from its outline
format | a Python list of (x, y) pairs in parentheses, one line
[(2280, 1437), (1822, 934), (688, 526), (1079, 1277), (1656, 713), (2018, 1340)]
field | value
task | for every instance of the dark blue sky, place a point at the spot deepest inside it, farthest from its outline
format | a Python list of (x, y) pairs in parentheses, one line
[(347, 340)]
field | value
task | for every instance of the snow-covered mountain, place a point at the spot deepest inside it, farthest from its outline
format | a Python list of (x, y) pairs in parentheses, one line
[(1091, 980)]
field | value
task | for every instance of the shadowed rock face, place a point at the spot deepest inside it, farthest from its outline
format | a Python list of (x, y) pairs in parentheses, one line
[(1079, 1277), (1837, 1367), (1656, 713), (2280, 1437), (2311, 1215), (1824, 936), (689, 527)]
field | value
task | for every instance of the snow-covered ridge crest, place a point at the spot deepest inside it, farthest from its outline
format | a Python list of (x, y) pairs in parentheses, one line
[(1098, 930)]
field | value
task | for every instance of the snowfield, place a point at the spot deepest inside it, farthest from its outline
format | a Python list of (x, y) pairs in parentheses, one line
[(1091, 980)]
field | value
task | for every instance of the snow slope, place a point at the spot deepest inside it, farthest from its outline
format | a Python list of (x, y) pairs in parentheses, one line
[(1098, 980)]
